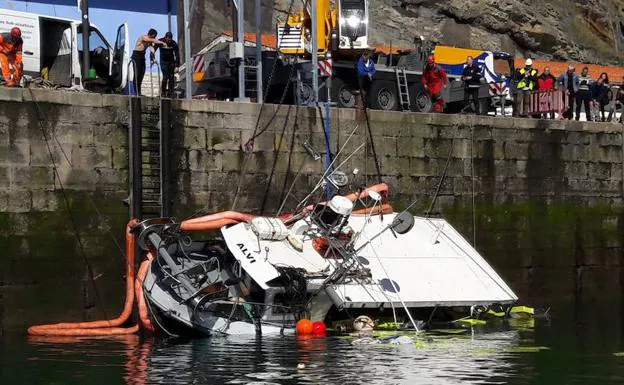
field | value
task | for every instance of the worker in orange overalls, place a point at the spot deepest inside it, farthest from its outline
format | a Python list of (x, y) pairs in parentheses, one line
[(434, 79), (11, 52)]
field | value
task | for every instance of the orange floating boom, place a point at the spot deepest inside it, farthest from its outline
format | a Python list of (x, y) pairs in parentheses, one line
[(102, 327)]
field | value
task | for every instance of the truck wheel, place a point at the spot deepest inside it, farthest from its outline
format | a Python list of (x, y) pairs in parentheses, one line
[(304, 94), (342, 94), (420, 99), (383, 96)]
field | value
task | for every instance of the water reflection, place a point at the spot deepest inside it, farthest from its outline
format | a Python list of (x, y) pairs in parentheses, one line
[(471, 356)]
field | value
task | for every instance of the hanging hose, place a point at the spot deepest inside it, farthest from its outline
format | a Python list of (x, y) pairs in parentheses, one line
[(146, 322), (102, 327)]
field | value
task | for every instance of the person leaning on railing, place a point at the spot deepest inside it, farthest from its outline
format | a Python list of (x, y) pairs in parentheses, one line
[(569, 81)]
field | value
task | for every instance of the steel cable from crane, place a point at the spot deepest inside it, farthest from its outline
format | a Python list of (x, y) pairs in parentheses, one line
[(275, 157), (370, 133), (288, 165), (248, 146)]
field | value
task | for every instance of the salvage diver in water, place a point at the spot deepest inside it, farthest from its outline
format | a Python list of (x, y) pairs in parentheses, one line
[(138, 55)]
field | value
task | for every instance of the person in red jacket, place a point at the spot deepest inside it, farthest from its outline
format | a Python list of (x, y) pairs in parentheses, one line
[(11, 52), (434, 80), (546, 82)]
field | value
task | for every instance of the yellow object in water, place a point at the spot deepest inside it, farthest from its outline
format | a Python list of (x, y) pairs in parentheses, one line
[(521, 312), (472, 321), (388, 326), (619, 354), (499, 314)]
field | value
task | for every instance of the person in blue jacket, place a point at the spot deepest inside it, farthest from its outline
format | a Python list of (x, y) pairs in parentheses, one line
[(366, 71)]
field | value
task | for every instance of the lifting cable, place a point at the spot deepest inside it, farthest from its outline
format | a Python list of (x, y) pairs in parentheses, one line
[(68, 205), (370, 132), (248, 146), (275, 157), (290, 153)]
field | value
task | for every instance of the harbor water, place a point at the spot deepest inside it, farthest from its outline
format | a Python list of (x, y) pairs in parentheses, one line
[(578, 345)]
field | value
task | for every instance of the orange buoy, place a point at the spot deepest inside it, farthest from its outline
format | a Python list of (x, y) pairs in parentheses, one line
[(319, 328), (304, 327)]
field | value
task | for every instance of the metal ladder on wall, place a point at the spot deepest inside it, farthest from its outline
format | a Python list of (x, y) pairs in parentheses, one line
[(151, 158), (404, 98)]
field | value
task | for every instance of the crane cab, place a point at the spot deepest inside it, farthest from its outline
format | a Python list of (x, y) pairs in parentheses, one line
[(342, 29)]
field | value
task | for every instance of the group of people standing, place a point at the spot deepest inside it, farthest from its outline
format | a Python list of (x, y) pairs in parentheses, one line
[(169, 59), (582, 91)]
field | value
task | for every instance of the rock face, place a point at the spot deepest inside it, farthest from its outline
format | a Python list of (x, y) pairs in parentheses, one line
[(579, 30)]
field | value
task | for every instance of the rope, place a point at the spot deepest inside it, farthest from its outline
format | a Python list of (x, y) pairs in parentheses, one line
[(91, 202), (68, 208), (290, 153), (275, 157), (442, 177), (372, 143), (248, 146), (472, 169)]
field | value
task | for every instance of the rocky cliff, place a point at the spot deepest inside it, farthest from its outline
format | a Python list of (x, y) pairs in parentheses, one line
[(579, 30)]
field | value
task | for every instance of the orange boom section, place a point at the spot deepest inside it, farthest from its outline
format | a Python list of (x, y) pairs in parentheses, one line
[(102, 327)]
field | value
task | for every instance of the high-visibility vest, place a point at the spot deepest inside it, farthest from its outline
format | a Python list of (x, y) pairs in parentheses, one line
[(524, 82)]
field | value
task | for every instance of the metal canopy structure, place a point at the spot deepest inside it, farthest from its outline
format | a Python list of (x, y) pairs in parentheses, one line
[(163, 7)]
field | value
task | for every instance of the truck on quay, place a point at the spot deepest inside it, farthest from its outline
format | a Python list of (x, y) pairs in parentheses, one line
[(343, 29), (53, 51)]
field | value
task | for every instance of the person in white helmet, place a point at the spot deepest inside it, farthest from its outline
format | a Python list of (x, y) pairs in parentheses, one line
[(526, 79)]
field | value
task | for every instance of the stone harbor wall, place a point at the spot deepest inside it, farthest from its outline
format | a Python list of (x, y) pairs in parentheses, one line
[(547, 195)]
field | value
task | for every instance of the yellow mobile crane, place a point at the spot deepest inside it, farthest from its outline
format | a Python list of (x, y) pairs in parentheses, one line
[(342, 29), (342, 33)]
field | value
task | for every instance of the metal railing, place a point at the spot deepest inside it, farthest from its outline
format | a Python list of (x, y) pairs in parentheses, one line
[(529, 103), (159, 79)]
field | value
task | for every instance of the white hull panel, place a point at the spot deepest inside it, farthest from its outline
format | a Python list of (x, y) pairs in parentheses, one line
[(431, 265)]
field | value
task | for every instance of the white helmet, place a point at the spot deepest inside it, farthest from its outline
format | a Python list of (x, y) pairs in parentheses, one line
[(528, 62)]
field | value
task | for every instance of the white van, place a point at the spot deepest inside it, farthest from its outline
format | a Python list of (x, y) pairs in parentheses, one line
[(53, 50)]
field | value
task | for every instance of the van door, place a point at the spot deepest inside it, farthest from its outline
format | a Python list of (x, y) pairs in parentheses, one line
[(121, 58)]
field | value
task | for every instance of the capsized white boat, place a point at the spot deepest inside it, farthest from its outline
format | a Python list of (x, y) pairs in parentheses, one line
[(265, 273)]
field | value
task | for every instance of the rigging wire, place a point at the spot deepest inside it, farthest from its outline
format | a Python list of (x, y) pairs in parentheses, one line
[(372, 143), (68, 209), (275, 157), (290, 153), (248, 146), (474, 208), (40, 120), (442, 177)]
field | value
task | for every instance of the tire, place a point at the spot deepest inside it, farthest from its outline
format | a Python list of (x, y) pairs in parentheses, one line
[(383, 96), (420, 99), (342, 94), (304, 94)]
